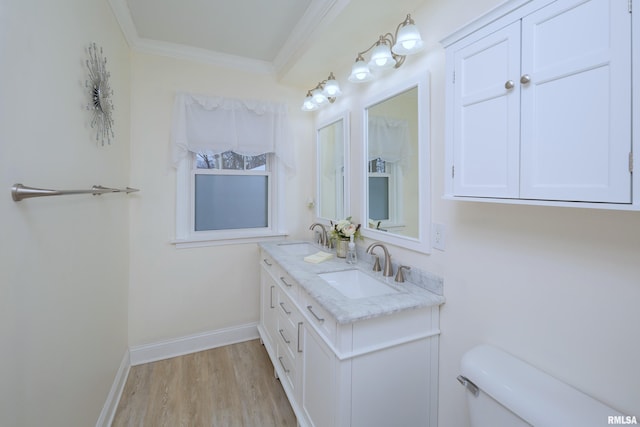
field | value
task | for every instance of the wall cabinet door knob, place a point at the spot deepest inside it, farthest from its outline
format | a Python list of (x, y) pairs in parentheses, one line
[(526, 78), (509, 84)]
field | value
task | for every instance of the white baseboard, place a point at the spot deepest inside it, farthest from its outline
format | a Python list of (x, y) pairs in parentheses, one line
[(109, 409), (192, 343)]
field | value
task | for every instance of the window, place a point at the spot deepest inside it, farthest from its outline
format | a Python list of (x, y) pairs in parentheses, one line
[(385, 195), (228, 154), (226, 198), (231, 192)]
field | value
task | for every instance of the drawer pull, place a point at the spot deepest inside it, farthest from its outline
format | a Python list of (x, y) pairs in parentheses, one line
[(282, 364), (287, 312), (299, 340), (271, 297), (285, 282), (266, 261), (283, 337), (320, 319)]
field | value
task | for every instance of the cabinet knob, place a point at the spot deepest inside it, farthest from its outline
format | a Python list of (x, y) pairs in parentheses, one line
[(509, 84), (526, 78)]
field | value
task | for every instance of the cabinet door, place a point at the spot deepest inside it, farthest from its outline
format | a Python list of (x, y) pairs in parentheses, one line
[(576, 109), (268, 313), (319, 380), (486, 129)]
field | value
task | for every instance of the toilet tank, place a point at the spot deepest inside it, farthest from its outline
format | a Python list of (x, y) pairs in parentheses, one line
[(504, 391)]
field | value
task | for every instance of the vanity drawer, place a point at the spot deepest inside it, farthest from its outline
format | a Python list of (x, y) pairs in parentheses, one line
[(289, 320), (289, 367), (320, 318), (268, 262), (289, 337), (289, 285), (286, 307)]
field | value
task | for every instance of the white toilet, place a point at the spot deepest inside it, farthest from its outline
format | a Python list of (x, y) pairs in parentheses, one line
[(503, 391)]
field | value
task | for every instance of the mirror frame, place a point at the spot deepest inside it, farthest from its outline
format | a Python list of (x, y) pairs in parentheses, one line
[(344, 117), (423, 242)]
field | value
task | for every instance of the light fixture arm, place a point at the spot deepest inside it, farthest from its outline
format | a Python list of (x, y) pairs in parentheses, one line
[(326, 90), (390, 50), (388, 39)]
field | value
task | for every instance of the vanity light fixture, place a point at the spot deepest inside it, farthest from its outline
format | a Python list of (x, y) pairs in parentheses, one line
[(324, 93), (389, 51)]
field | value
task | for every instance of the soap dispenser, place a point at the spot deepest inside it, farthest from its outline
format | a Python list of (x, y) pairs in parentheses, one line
[(351, 258)]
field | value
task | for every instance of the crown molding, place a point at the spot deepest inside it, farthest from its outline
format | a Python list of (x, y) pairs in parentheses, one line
[(123, 17), (318, 16)]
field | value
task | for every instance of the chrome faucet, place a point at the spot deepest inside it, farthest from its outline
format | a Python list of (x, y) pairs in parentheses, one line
[(388, 268), (324, 240)]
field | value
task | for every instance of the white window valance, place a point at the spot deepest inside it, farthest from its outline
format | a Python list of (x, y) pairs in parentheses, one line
[(389, 139), (213, 125)]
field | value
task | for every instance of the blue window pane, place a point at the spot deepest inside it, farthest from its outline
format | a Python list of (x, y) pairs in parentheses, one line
[(379, 198), (227, 202)]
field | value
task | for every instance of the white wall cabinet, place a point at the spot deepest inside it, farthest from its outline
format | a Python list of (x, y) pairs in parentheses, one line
[(373, 372), (539, 104)]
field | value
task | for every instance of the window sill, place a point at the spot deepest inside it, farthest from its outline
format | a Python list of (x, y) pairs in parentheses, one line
[(198, 242)]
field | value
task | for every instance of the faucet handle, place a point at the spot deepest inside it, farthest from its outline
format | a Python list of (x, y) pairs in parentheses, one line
[(376, 264), (400, 275)]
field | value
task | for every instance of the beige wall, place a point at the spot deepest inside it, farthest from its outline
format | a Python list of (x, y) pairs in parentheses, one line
[(64, 260), (179, 292), (558, 287)]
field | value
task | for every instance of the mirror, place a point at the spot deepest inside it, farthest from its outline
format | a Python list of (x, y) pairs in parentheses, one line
[(332, 198), (397, 167)]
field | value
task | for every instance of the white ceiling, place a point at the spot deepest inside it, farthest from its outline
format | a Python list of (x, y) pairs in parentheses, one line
[(300, 41), (245, 28)]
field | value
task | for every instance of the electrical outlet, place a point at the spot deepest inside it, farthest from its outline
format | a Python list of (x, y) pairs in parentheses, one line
[(438, 236)]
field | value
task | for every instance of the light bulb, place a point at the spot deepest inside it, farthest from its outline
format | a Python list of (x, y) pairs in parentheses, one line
[(381, 57), (331, 88), (360, 72), (408, 41), (409, 44), (308, 104), (318, 97)]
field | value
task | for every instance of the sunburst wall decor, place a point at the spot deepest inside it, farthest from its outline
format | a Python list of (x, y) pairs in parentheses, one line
[(100, 91)]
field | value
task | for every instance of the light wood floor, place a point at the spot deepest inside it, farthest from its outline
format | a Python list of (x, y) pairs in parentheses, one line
[(226, 386)]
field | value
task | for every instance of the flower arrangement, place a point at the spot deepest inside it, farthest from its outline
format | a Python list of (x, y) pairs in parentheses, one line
[(344, 228)]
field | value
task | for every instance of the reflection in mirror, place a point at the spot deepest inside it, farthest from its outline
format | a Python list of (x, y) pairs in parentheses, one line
[(397, 167), (392, 163), (331, 143)]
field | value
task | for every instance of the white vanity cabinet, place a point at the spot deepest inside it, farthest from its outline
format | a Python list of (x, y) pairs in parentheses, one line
[(281, 324), (289, 339), (378, 371), (539, 104)]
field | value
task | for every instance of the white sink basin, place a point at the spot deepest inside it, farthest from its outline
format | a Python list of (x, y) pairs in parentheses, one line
[(356, 284), (299, 248)]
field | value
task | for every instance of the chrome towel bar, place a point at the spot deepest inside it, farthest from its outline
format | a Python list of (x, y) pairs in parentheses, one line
[(19, 191)]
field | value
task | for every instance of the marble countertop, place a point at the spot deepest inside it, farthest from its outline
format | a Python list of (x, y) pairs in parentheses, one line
[(344, 309)]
